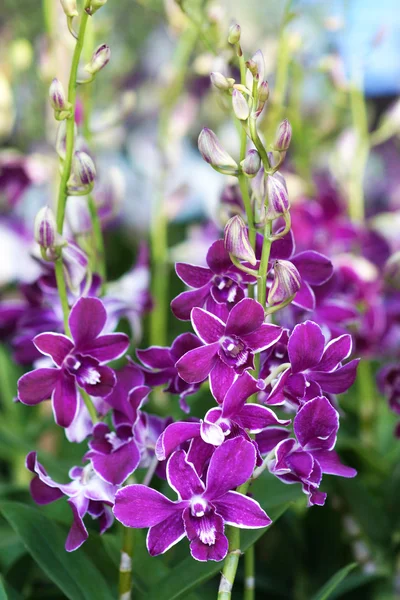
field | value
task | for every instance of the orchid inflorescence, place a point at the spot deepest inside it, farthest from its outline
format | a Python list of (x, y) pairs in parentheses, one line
[(269, 343)]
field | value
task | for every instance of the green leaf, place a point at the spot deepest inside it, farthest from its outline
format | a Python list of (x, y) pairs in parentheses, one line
[(3, 594), (73, 572), (330, 586), (274, 496)]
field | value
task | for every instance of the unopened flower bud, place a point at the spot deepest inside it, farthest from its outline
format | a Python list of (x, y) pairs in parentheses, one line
[(236, 240), (96, 4), (45, 228), (234, 34), (214, 153), (221, 82), (100, 58), (70, 8), (57, 96), (252, 67), (263, 92), (83, 168), (392, 270), (251, 164), (278, 197), (286, 283), (283, 136), (240, 106)]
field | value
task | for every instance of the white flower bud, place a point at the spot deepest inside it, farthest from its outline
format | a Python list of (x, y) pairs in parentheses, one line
[(100, 58), (70, 8), (240, 106)]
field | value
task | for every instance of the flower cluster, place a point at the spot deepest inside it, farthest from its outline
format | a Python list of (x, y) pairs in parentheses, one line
[(260, 347)]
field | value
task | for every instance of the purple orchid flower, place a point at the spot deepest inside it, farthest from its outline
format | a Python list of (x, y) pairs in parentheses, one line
[(316, 367), (79, 362), (229, 347), (234, 417), (114, 454), (87, 493), (160, 367), (128, 394), (217, 287), (306, 458), (202, 510)]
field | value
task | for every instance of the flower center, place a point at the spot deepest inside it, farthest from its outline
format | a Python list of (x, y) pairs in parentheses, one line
[(198, 506), (72, 363), (227, 287), (234, 350), (90, 375)]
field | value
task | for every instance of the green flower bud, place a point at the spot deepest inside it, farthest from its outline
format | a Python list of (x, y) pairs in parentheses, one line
[(234, 34), (251, 164), (70, 8)]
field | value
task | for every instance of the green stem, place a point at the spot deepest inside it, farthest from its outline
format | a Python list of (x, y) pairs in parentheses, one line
[(242, 179), (230, 564), (263, 270), (258, 143), (70, 122), (62, 292), (249, 570), (125, 566), (89, 405), (100, 264), (367, 401)]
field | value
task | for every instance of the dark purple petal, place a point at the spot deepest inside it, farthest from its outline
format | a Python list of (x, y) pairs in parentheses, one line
[(208, 327), (199, 454), (182, 344), (166, 534), (231, 465), (118, 465), (196, 364), (296, 385), (140, 506), (175, 435), (281, 249), (42, 493), (36, 386), (192, 275), (306, 346), (206, 535), (237, 394), (87, 319), (330, 464), (183, 304), (338, 381), (78, 533), (182, 477), (241, 511), (255, 418), (335, 352), (268, 439), (315, 268), (300, 463), (55, 345), (305, 297), (316, 424), (218, 258), (222, 377), (106, 347), (245, 317), (65, 400), (277, 395), (156, 357), (263, 338)]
